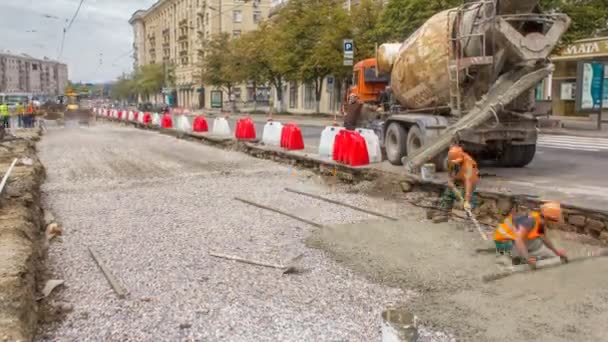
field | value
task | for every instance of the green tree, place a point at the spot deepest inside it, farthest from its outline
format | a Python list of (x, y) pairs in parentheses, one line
[(124, 88), (221, 66), (589, 17), (264, 58), (149, 79), (365, 21), (401, 18), (314, 31)]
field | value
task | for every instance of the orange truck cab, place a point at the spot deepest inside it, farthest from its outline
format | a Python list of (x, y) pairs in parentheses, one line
[(366, 84)]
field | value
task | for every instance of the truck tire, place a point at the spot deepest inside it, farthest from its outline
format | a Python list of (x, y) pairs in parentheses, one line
[(415, 139), (394, 143), (517, 155)]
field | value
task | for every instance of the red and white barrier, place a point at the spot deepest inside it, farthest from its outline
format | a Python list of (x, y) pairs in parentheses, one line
[(221, 126), (372, 143), (328, 136), (200, 124), (245, 129), (167, 121), (350, 148), (271, 134), (291, 137)]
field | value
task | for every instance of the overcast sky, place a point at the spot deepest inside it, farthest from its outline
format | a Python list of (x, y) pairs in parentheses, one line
[(101, 27)]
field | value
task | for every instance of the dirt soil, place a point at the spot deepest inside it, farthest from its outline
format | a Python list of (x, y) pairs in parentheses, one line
[(20, 233), (568, 303)]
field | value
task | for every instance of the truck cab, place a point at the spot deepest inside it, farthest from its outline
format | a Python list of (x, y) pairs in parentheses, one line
[(367, 84)]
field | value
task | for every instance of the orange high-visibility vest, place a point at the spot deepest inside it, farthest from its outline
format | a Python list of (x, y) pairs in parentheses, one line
[(30, 109), (506, 230), (468, 170)]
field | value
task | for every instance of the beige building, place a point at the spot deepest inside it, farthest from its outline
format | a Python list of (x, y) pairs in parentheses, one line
[(173, 32), (26, 74)]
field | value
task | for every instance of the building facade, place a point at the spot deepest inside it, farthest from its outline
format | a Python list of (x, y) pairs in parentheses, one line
[(173, 32), (26, 74)]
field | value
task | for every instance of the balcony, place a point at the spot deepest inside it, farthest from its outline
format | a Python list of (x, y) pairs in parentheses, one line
[(183, 53), (182, 38)]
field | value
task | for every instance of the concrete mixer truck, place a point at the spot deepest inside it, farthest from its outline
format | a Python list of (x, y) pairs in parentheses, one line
[(467, 75)]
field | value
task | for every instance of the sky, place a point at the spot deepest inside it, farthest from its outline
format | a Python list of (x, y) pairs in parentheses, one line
[(101, 27)]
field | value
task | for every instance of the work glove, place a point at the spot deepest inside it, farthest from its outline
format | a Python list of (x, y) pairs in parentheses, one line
[(562, 254), (467, 205)]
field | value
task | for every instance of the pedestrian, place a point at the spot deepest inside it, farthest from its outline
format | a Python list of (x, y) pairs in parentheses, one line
[(6, 116), (463, 176), (19, 110), (352, 112), (523, 237)]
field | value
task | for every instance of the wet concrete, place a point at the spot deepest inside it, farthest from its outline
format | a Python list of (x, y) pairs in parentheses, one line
[(568, 303)]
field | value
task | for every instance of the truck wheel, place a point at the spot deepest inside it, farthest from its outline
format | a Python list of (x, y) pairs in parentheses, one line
[(415, 139), (395, 143), (517, 155)]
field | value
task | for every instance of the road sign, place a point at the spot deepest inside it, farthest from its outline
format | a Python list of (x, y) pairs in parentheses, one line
[(349, 51)]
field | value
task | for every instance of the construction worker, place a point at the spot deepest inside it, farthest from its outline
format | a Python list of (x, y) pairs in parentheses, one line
[(523, 236), (19, 110), (29, 115), (6, 115), (463, 177)]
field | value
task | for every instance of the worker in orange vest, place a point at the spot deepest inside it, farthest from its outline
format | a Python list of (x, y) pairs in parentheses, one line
[(523, 236), (463, 176), (29, 115)]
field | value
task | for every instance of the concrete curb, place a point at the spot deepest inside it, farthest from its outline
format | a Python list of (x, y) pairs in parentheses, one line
[(493, 206)]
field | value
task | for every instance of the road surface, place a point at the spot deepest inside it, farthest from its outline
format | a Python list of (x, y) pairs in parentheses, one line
[(153, 207), (566, 168)]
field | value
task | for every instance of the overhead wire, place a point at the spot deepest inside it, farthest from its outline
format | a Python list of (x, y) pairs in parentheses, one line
[(67, 28)]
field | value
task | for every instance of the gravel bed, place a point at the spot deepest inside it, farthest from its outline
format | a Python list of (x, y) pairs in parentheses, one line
[(153, 207)]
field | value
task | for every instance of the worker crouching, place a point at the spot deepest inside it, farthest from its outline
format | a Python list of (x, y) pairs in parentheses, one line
[(523, 237), (463, 176)]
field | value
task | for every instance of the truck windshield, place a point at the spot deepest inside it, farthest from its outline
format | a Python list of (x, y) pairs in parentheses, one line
[(369, 76)]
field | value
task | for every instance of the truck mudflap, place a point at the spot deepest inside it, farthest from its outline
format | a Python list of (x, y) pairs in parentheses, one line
[(506, 89)]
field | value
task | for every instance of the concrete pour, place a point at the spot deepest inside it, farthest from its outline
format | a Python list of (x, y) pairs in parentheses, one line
[(568, 303)]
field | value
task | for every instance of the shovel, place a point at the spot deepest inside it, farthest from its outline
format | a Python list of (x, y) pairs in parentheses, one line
[(470, 214)]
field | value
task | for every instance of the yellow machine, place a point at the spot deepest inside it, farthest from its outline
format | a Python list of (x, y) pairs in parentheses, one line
[(72, 101)]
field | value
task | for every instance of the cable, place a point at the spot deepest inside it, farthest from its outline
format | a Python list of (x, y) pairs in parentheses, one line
[(67, 28), (75, 15)]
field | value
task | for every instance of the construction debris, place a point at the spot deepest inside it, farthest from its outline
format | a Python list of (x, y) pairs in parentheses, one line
[(49, 287), (287, 269)]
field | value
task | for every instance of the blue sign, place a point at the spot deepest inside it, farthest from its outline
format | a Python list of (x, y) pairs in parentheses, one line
[(591, 89), (349, 47)]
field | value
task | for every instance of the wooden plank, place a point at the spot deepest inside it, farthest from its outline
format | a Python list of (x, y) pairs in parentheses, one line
[(118, 289), (6, 175), (341, 203)]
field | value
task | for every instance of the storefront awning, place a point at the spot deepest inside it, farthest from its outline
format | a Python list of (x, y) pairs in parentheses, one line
[(583, 49)]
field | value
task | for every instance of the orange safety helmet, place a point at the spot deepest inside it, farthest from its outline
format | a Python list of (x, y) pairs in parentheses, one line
[(552, 211), (456, 154)]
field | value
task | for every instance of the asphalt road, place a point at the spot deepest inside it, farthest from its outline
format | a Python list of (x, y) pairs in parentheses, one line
[(567, 168)]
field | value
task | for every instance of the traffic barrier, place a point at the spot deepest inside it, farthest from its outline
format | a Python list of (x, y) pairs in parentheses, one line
[(372, 143), (167, 121), (291, 137), (147, 119), (328, 136), (120, 113), (221, 126), (271, 135), (130, 116), (136, 116), (245, 129), (358, 154), (183, 123), (200, 124), (156, 119)]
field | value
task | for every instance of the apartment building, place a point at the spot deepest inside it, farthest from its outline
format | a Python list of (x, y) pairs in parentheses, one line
[(26, 74), (173, 32)]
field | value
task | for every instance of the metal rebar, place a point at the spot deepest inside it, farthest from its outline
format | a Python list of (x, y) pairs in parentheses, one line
[(314, 224), (342, 204)]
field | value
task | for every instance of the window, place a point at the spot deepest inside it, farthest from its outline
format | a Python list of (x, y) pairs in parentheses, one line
[(34, 67), (309, 96), (236, 92), (237, 16), (293, 95), (257, 16), (236, 33)]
